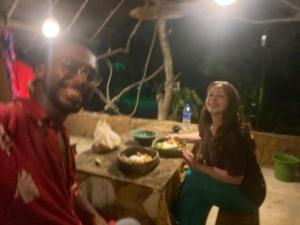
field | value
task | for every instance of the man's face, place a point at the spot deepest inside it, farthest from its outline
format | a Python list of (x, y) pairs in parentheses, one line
[(69, 76)]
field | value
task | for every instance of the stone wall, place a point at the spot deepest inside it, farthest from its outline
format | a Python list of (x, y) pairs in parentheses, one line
[(84, 123), (269, 143)]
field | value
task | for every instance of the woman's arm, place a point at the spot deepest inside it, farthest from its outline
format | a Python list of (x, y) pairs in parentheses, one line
[(191, 138), (220, 174), (83, 204), (214, 172)]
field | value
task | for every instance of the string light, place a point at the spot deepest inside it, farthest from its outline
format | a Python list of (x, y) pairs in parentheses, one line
[(51, 28), (225, 2)]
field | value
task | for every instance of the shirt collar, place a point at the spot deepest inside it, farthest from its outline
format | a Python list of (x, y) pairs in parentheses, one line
[(38, 113), (35, 109)]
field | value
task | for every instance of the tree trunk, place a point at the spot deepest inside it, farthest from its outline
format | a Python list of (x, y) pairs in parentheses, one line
[(164, 101)]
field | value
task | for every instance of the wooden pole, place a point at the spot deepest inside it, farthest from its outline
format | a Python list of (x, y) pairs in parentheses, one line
[(165, 105)]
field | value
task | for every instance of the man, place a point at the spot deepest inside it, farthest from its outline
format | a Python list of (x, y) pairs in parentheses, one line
[(37, 181)]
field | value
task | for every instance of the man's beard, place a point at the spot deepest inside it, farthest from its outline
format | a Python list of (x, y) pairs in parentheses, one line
[(65, 108)]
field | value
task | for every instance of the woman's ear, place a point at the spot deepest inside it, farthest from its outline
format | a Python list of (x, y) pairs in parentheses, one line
[(40, 71)]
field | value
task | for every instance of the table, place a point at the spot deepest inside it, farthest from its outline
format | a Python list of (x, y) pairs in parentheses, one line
[(145, 197)]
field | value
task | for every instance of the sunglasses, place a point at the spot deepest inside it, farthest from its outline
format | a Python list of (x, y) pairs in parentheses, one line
[(73, 68)]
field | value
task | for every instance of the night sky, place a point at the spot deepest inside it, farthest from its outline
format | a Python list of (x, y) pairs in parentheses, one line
[(210, 48), (207, 48)]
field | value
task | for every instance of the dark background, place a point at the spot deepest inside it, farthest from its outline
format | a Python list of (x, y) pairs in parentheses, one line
[(208, 49)]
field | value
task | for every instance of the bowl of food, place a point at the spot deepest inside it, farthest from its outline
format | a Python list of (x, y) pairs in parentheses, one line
[(169, 147), (138, 160), (144, 137)]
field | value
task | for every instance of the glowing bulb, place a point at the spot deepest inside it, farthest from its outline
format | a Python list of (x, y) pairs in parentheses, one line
[(50, 28), (264, 38), (224, 2)]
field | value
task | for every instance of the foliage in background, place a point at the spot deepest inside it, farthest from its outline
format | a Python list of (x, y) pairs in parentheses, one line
[(183, 96), (217, 51), (243, 63), (237, 65)]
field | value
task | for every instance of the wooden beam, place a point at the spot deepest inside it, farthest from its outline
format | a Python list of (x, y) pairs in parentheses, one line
[(12, 8), (19, 25), (290, 5), (77, 15), (107, 19), (169, 11)]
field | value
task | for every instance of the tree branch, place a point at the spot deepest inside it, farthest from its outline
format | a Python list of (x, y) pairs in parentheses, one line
[(112, 53), (129, 87), (125, 50), (104, 99), (122, 50), (109, 65), (101, 95), (136, 27)]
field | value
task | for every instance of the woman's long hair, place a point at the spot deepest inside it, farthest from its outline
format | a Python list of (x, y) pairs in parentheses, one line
[(231, 118)]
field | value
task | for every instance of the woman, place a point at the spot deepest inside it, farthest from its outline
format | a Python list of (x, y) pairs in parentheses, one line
[(228, 175)]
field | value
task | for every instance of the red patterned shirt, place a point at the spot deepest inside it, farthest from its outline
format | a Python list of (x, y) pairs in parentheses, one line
[(37, 183)]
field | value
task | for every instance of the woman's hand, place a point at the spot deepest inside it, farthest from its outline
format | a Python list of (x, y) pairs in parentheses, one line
[(83, 204), (190, 159), (215, 172), (173, 135), (190, 138), (98, 220)]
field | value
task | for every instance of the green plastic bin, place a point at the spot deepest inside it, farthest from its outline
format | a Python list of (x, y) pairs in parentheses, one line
[(285, 166)]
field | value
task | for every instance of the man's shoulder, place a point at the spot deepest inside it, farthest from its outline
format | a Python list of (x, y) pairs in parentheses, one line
[(11, 110), (10, 106)]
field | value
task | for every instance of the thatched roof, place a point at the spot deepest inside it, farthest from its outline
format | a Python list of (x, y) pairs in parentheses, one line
[(86, 17)]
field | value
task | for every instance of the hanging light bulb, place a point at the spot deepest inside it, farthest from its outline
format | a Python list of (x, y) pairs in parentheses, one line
[(264, 39), (225, 2), (50, 28)]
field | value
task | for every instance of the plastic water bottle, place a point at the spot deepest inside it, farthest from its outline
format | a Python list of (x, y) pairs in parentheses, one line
[(186, 116)]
